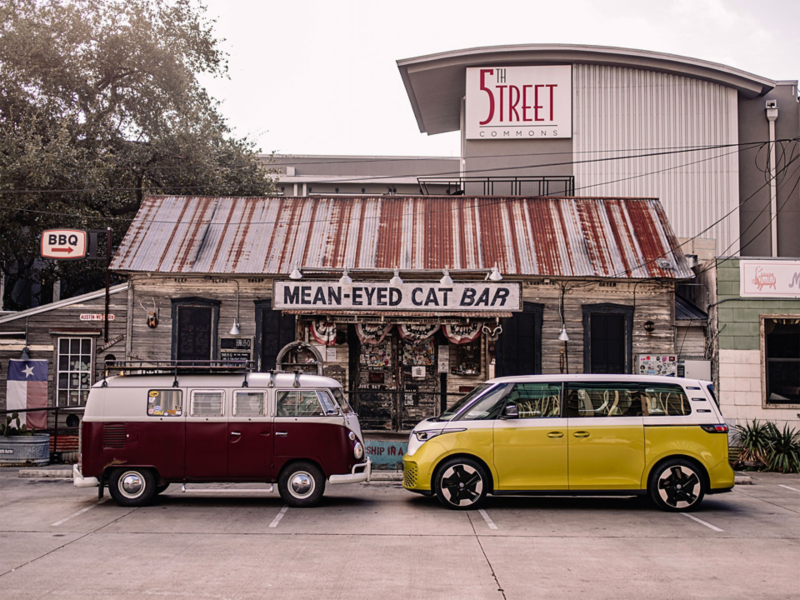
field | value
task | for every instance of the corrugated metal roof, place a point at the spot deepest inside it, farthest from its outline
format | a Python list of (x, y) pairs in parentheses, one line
[(558, 237), (685, 310)]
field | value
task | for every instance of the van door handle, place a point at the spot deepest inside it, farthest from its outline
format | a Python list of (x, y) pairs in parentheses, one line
[(236, 433), (555, 434), (281, 433), (581, 434)]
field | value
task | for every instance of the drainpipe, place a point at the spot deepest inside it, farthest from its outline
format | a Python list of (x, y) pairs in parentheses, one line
[(772, 116)]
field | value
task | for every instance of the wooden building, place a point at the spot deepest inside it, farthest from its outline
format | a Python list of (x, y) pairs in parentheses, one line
[(363, 284)]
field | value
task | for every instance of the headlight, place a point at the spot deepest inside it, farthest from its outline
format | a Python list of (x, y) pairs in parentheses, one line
[(424, 436), (358, 451)]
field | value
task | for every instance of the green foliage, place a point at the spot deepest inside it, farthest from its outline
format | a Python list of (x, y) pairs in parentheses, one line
[(100, 105), (775, 449), (8, 428)]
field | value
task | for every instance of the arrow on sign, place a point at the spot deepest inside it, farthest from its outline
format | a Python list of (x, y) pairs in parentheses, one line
[(67, 250)]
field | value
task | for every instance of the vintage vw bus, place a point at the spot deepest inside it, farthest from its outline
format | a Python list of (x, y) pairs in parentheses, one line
[(142, 432), (574, 434)]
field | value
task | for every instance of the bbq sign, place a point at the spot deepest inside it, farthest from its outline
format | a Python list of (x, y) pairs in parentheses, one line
[(431, 296), (519, 103), (63, 243)]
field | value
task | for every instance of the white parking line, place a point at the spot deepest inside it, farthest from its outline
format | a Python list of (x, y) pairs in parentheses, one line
[(488, 519), (277, 519), (788, 488), (709, 525), (80, 512)]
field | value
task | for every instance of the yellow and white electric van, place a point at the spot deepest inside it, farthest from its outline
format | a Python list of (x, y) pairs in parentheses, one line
[(574, 435)]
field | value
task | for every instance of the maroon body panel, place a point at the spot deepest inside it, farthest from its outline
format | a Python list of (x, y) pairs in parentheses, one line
[(143, 444), (206, 450), (250, 453), (324, 443)]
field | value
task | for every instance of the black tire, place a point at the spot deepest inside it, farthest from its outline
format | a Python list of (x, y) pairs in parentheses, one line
[(461, 484), (160, 489), (301, 484), (677, 486), (132, 486)]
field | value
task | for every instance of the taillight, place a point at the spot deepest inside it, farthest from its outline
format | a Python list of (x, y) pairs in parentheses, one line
[(715, 428)]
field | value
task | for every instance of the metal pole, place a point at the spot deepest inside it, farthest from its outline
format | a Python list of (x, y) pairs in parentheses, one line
[(108, 281), (55, 436)]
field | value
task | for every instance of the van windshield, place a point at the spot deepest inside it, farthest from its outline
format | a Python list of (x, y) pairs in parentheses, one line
[(458, 406), (343, 404)]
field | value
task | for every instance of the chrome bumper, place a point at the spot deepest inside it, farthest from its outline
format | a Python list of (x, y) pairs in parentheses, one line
[(358, 474), (78, 480)]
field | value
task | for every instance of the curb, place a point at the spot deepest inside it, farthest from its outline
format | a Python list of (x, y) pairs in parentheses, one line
[(743, 480), (378, 476), (46, 473)]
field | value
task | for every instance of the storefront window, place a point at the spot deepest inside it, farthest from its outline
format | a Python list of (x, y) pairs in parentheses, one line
[(782, 360), (194, 329)]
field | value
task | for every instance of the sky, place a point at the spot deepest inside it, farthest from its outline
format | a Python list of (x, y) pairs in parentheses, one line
[(321, 77)]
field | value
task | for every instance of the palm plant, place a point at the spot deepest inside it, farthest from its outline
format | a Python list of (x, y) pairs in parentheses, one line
[(755, 439), (784, 455)]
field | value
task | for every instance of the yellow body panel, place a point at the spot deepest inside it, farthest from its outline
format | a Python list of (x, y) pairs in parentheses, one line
[(710, 449), (531, 454), (606, 457), (611, 457)]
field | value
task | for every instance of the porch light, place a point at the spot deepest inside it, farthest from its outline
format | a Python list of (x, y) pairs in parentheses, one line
[(563, 335), (495, 274), (296, 274), (345, 278), (396, 281), (235, 329), (446, 280)]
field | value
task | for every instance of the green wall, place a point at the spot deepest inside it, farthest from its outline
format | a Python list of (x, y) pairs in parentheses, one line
[(740, 318)]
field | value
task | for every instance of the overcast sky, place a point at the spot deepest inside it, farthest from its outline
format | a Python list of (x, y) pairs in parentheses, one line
[(321, 77)]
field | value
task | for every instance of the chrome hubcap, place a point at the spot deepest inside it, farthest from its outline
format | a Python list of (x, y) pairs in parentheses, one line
[(131, 484), (301, 484), (679, 487), (462, 485)]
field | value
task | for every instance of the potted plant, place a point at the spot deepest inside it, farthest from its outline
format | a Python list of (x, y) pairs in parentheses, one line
[(20, 446)]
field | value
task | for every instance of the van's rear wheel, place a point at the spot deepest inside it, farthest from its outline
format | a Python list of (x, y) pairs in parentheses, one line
[(676, 486), (461, 484), (301, 484), (132, 487)]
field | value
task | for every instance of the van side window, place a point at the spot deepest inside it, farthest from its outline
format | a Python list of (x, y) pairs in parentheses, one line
[(535, 400), (665, 400), (248, 404), (299, 404), (327, 402), (164, 403), (585, 399), (207, 403), (488, 407)]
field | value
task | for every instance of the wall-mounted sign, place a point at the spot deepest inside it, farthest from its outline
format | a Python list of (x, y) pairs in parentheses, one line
[(63, 244), (235, 343), (96, 317), (375, 297), (514, 103), (769, 278), (657, 364)]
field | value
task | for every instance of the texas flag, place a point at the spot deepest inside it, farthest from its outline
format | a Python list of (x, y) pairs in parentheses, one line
[(27, 388)]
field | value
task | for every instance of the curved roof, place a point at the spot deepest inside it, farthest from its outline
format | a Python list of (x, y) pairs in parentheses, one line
[(436, 83)]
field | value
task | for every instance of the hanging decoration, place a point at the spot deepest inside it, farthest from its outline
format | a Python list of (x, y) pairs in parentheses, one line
[(416, 332), (372, 333), (463, 333), (324, 332)]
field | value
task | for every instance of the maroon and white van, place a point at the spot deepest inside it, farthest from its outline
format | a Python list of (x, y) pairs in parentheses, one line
[(142, 432)]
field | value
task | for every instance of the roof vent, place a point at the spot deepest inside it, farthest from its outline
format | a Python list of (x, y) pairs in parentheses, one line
[(664, 263)]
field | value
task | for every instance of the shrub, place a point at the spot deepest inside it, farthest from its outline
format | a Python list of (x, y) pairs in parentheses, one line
[(778, 450), (754, 439)]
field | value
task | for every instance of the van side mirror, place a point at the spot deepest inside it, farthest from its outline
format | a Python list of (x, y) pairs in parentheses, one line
[(510, 412)]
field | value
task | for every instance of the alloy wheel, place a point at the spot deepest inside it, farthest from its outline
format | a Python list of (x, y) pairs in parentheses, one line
[(461, 485), (679, 487)]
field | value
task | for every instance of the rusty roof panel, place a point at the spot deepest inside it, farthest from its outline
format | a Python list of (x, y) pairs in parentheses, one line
[(557, 237)]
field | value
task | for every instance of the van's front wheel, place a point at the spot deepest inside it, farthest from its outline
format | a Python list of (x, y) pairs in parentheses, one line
[(301, 484), (132, 487), (461, 484)]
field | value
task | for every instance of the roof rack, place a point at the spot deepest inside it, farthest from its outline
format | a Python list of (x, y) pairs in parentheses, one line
[(171, 367)]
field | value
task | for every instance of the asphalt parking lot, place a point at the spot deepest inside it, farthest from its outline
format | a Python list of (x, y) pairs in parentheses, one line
[(377, 540)]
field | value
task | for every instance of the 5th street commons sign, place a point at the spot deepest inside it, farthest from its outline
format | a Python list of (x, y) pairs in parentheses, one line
[(408, 296)]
